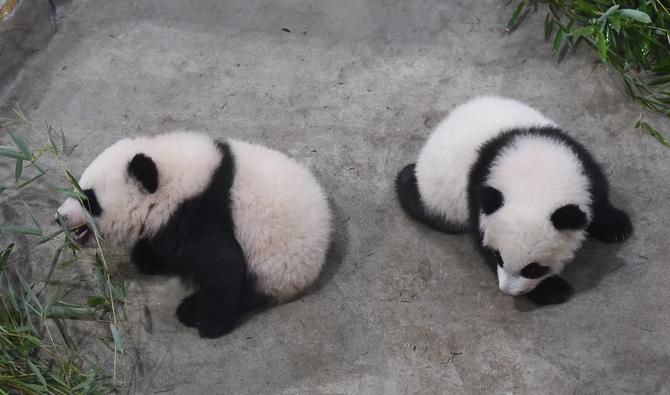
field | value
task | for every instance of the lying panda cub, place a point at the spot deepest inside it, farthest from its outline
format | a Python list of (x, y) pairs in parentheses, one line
[(529, 193), (246, 224)]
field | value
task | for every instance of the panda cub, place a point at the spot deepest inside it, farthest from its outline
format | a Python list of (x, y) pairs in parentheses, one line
[(247, 225), (527, 191)]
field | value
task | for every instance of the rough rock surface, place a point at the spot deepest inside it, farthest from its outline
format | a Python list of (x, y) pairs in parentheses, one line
[(352, 88)]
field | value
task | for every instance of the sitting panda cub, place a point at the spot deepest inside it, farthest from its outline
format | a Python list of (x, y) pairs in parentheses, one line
[(247, 225), (528, 193)]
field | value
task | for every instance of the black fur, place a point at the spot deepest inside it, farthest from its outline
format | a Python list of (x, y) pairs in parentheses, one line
[(91, 203), (491, 199), (198, 243), (408, 195), (609, 224), (143, 169), (534, 270), (569, 217), (552, 290)]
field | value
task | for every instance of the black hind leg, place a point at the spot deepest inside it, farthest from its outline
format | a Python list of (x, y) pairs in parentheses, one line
[(610, 225), (187, 312), (410, 200)]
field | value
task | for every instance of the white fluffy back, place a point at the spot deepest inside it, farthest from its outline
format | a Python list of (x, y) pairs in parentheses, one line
[(445, 161), (282, 219)]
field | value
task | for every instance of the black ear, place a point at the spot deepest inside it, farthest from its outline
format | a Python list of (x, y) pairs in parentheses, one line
[(491, 199), (144, 170), (569, 217)]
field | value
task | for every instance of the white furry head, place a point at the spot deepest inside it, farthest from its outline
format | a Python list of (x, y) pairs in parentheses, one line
[(535, 207), (137, 183)]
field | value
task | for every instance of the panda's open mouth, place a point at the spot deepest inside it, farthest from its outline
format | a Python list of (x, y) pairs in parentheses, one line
[(81, 233)]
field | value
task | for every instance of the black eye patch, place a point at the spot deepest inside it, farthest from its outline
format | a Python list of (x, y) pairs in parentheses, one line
[(91, 203), (534, 270), (491, 199), (569, 217)]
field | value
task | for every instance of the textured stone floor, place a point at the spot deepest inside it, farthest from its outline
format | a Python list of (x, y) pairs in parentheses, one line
[(352, 88)]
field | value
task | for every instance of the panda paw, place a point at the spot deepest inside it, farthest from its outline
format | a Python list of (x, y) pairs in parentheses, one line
[(611, 225), (187, 310), (210, 328), (552, 290)]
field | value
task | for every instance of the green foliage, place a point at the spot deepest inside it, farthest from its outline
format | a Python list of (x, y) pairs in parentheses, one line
[(633, 36), (32, 360)]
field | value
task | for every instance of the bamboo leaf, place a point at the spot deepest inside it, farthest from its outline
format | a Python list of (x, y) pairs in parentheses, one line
[(30, 181), (583, 31), (11, 152), (558, 40), (514, 19), (20, 230), (54, 262), (18, 170), (548, 26), (652, 131), (607, 13), (4, 256), (118, 341), (37, 374), (602, 47), (69, 311), (31, 294), (636, 15), (20, 143)]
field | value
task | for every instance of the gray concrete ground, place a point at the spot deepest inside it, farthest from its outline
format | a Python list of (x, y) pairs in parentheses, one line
[(352, 88)]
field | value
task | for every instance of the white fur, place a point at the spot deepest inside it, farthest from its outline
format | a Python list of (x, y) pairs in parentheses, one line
[(536, 176), (282, 219), (280, 212), (445, 161)]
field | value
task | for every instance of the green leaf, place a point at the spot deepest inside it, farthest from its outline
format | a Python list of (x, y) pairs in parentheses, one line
[(652, 131), (18, 169), (12, 294), (35, 387), (607, 13), (69, 311), (119, 289), (118, 341), (85, 386), (616, 22), (49, 237), (636, 15), (37, 374), (60, 324), (558, 40), (11, 152), (30, 181), (100, 275), (73, 182), (29, 291), (54, 261), (4, 256), (20, 143), (602, 47), (72, 193), (514, 19), (95, 301), (583, 31), (548, 26), (659, 81), (20, 230)]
